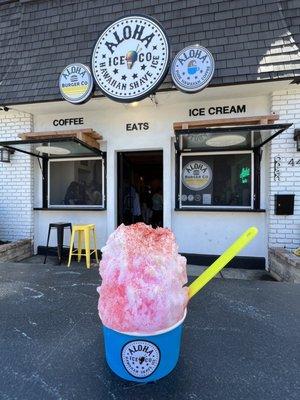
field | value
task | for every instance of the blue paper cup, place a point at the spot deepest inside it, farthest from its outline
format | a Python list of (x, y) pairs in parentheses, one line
[(141, 357)]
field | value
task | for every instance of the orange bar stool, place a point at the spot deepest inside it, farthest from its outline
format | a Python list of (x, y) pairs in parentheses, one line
[(84, 238)]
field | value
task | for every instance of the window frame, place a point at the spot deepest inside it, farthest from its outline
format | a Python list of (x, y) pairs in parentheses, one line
[(255, 182), (77, 206)]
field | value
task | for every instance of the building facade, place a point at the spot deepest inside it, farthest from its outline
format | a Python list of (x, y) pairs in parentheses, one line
[(256, 52)]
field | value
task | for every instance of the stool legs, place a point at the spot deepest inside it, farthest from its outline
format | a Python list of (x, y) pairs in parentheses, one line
[(71, 246), (87, 248), (95, 246), (49, 230), (60, 241), (79, 246)]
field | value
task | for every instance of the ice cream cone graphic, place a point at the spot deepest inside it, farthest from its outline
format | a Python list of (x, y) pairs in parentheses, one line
[(131, 58)]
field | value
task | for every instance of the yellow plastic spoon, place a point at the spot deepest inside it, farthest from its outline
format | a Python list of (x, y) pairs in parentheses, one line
[(222, 261)]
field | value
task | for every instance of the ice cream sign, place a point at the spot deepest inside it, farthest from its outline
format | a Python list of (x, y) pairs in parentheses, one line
[(192, 68), (131, 58)]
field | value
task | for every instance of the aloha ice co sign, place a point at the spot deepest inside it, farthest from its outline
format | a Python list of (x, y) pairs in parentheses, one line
[(76, 83), (131, 58), (192, 68)]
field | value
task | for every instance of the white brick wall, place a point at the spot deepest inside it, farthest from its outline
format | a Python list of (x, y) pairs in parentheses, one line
[(284, 231), (16, 181)]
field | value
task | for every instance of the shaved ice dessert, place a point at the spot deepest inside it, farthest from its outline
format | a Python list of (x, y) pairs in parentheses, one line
[(143, 279)]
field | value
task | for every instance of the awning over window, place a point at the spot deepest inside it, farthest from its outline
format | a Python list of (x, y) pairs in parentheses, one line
[(53, 148), (227, 138), (76, 143)]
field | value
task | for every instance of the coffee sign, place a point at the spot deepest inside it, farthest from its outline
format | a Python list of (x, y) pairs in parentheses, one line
[(131, 58), (192, 68), (76, 83)]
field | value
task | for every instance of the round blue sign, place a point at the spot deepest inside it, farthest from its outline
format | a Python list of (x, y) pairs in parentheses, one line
[(192, 68)]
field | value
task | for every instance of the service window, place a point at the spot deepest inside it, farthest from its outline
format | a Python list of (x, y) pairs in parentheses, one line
[(76, 182), (216, 179)]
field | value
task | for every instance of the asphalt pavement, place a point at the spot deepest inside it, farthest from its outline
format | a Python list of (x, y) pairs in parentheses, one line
[(241, 340)]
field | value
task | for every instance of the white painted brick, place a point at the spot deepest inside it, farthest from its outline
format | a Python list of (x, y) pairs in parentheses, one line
[(284, 230), (16, 181)]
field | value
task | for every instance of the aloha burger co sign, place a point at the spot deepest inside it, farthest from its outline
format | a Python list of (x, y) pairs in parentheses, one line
[(131, 58), (76, 83), (196, 175)]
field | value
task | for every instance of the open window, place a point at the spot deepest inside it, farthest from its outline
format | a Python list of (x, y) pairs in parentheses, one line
[(73, 170), (76, 182), (219, 168)]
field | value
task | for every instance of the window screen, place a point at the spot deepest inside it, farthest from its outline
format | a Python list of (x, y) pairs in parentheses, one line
[(76, 182), (215, 180)]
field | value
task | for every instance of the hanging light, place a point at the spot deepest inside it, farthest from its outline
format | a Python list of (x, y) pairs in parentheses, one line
[(5, 155), (225, 140)]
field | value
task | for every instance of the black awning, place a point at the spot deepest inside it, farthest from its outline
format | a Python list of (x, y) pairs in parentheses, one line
[(227, 138), (53, 147)]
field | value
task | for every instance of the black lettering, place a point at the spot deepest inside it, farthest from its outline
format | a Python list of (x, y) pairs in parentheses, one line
[(128, 126), (147, 39), (80, 121), (127, 32), (211, 110), (146, 126), (55, 122), (138, 31), (241, 109), (182, 60)]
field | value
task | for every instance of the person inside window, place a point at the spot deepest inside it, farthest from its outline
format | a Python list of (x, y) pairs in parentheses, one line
[(157, 208), (72, 196)]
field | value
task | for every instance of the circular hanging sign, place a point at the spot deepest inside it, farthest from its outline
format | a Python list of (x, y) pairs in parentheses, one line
[(192, 68), (196, 175), (131, 58), (76, 83), (140, 358)]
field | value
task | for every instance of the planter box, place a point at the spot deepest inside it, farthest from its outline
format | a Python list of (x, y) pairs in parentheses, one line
[(284, 266), (16, 251)]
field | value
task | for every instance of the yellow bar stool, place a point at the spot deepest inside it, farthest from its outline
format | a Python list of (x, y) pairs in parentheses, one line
[(84, 238)]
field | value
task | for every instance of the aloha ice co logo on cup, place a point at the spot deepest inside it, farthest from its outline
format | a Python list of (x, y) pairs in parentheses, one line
[(192, 68), (196, 175), (131, 58), (140, 358), (76, 83)]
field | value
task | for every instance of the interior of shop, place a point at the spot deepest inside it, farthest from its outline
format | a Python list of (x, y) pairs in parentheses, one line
[(140, 187)]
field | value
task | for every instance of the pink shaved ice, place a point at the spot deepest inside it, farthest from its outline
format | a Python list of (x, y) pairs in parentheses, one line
[(142, 280)]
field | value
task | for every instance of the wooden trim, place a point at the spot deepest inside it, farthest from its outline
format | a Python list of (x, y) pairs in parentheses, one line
[(257, 120), (89, 136), (70, 132)]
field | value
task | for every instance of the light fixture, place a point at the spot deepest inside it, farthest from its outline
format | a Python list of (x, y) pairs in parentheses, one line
[(225, 140), (134, 104), (5, 155), (297, 138), (52, 150)]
